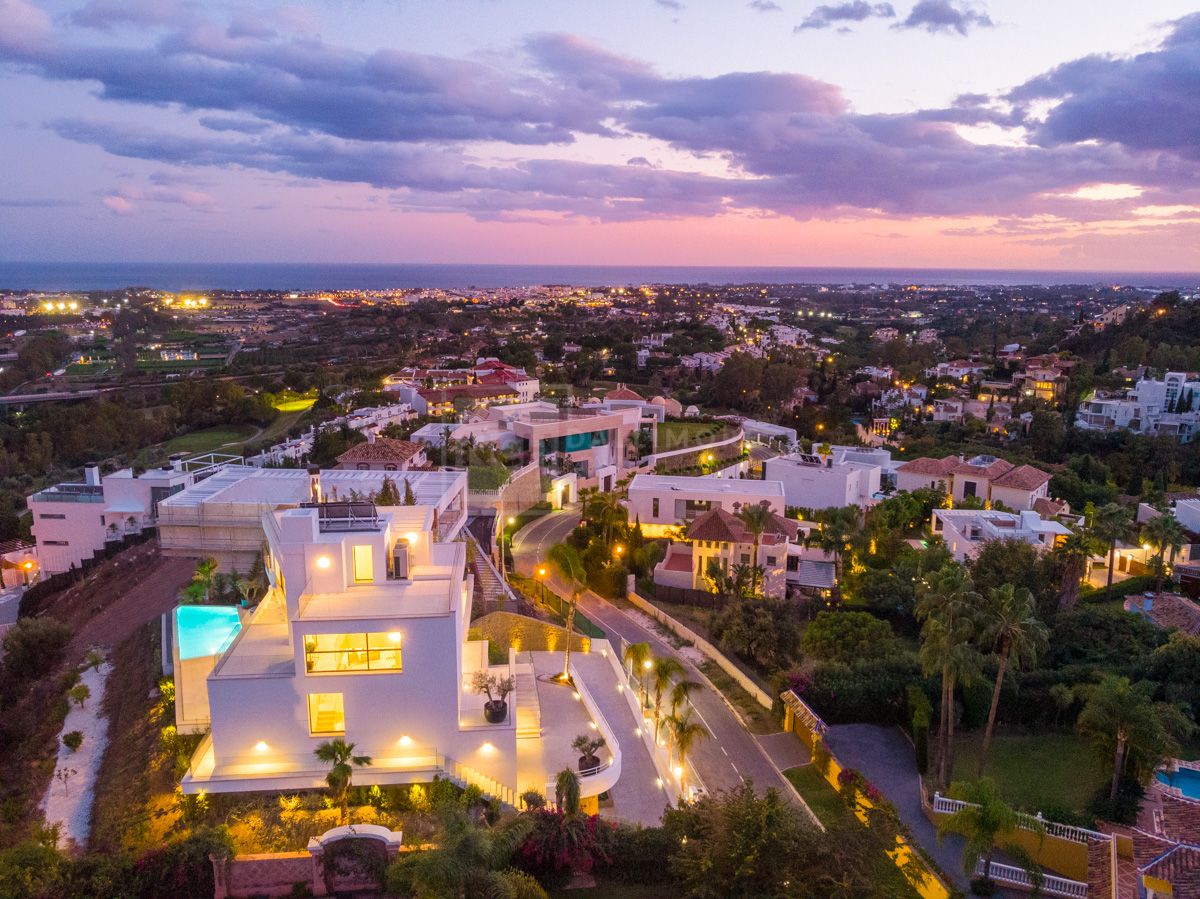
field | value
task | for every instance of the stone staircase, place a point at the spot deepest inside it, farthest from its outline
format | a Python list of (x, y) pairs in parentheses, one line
[(529, 709), (489, 589)]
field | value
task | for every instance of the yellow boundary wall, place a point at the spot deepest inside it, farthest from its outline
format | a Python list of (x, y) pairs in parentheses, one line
[(924, 880)]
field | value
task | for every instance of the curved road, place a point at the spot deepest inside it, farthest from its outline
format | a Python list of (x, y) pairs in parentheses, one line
[(733, 755)]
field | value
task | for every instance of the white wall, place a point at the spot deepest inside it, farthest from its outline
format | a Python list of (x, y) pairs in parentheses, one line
[(821, 487), (80, 529)]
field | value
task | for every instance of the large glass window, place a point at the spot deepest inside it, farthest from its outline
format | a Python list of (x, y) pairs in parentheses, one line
[(364, 570), (326, 713), (333, 653)]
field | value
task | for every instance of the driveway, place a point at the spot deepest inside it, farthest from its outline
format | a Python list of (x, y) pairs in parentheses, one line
[(733, 755)]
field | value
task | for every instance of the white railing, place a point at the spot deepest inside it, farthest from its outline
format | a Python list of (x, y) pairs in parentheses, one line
[(590, 782), (1051, 885), (464, 776), (943, 805)]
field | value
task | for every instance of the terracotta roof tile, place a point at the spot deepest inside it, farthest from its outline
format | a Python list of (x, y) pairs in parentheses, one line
[(926, 465), (384, 449), (1023, 477)]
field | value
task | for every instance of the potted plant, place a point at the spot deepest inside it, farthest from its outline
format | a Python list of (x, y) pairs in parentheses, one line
[(495, 710), (586, 747)]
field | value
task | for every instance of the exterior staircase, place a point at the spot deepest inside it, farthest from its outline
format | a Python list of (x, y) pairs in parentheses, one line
[(529, 709), (489, 589)]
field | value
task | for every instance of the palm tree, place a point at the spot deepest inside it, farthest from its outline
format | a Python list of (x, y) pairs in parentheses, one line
[(569, 564), (1009, 628), (836, 528), (983, 820), (1126, 725), (685, 733), (342, 761), (469, 860), (1074, 552), (948, 607), (1163, 532), (756, 518), (606, 510), (205, 576), (681, 694), (662, 674), (1111, 524), (637, 656), (566, 791)]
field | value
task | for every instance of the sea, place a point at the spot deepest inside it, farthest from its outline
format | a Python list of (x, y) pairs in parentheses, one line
[(197, 276)]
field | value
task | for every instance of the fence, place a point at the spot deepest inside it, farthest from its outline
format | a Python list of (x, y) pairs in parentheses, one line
[(1048, 884), (1060, 847), (35, 596), (760, 695), (560, 607)]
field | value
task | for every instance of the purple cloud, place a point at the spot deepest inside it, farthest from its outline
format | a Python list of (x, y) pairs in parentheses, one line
[(765, 6), (942, 16), (837, 13)]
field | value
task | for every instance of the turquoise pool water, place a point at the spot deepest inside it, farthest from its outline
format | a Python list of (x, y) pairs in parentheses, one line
[(205, 630), (1187, 780)]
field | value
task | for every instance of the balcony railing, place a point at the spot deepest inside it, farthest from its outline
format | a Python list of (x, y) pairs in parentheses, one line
[(346, 516)]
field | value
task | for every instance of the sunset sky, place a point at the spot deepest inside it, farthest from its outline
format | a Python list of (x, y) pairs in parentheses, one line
[(935, 133)]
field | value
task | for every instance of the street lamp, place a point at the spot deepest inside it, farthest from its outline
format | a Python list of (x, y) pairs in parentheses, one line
[(541, 574)]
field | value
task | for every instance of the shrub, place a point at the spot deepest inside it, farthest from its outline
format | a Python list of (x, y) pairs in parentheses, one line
[(983, 886), (1123, 809), (638, 855), (848, 636), (34, 646), (79, 694), (73, 740), (872, 690)]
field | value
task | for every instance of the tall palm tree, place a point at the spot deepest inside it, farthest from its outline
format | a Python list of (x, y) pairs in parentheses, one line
[(984, 819), (606, 510), (948, 607), (342, 761), (1111, 524), (836, 528), (1125, 724), (569, 564), (1009, 628), (756, 518), (1074, 552), (662, 675), (636, 656), (205, 576), (681, 694), (685, 734), (1163, 532)]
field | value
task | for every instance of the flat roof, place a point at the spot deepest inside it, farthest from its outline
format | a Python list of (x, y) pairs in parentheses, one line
[(284, 486), (728, 486)]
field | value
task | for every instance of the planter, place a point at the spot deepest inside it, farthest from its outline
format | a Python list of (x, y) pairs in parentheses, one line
[(495, 711), (588, 762)]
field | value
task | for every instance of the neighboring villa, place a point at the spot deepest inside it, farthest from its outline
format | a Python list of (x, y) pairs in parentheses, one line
[(72, 522), (986, 477), (701, 512), (363, 634), (966, 530), (383, 454), (1168, 407), (846, 476)]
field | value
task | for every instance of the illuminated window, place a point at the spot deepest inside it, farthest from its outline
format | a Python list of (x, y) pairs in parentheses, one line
[(364, 570), (334, 653), (326, 713)]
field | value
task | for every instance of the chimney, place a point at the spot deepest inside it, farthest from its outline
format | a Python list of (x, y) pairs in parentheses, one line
[(370, 436), (314, 483), (91, 475)]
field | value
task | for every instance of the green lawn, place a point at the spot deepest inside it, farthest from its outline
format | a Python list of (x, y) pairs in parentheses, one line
[(1037, 772), (210, 439), (828, 806), (678, 434)]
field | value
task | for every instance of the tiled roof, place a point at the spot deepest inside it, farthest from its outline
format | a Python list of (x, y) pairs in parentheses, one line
[(384, 449), (725, 527), (1050, 508), (1023, 477), (1170, 611), (992, 470), (14, 545), (1180, 818), (469, 391), (623, 393), (926, 465), (1173, 862)]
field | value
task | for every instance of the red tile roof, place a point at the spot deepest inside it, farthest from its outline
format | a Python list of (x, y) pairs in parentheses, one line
[(1023, 477), (468, 391), (725, 527), (384, 449), (926, 465), (623, 393)]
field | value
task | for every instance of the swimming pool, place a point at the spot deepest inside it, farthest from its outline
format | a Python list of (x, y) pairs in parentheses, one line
[(1186, 779), (205, 630)]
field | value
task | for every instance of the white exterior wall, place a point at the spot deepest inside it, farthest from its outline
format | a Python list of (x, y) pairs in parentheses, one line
[(65, 542), (824, 487), (1019, 499), (725, 492), (908, 481)]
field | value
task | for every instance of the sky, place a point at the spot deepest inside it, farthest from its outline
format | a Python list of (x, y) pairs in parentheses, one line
[(927, 133)]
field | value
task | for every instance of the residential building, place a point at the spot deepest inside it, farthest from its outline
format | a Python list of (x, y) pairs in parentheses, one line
[(766, 432), (965, 531), (663, 503), (990, 479), (812, 481), (383, 454), (222, 515), (1170, 407), (885, 335), (71, 522), (438, 401)]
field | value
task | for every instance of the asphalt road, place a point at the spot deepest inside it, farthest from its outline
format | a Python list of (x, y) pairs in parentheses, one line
[(733, 755)]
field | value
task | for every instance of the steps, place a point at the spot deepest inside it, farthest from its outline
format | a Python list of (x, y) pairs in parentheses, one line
[(529, 709), (489, 591)]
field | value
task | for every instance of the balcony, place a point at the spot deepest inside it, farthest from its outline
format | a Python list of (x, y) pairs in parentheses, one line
[(341, 517), (70, 493)]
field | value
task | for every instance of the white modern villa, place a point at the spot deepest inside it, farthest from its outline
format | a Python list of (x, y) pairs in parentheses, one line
[(363, 635)]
